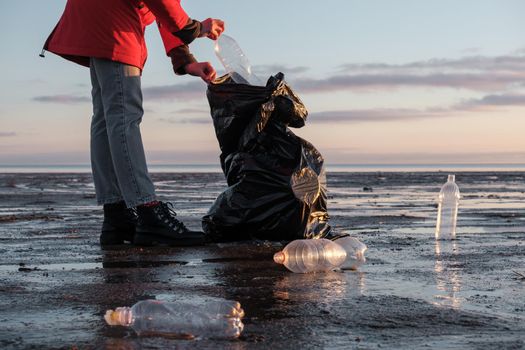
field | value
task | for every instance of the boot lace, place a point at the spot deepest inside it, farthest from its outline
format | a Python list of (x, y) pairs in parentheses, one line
[(168, 214)]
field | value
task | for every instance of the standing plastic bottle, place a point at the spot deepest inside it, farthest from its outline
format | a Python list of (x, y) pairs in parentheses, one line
[(448, 210), (235, 61), (355, 251), (311, 255), (214, 319)]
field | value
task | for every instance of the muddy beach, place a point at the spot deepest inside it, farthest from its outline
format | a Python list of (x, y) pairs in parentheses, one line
[(413, 292)]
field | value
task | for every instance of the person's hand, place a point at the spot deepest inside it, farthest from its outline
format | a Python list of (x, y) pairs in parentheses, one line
[(204, 70), (212, 28)]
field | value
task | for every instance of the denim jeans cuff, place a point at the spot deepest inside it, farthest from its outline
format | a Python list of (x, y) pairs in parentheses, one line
[(110, 200), (142, 200)]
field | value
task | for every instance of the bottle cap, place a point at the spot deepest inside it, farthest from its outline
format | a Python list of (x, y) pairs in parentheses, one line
[(239, 313), (121, 316), (279, 257)]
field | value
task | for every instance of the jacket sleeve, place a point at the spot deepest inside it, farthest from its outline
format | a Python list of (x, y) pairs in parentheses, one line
[(190, 32), (180, 57), (169, 13), (177, 50), (169, 40)]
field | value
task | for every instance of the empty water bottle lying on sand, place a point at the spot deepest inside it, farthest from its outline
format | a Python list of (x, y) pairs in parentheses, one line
[(321, 255), (355, 251), (213, 319)]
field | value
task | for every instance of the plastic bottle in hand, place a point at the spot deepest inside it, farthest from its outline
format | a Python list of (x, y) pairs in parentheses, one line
[(311, 255), (235, 61), (355, 251), (214, 319), (448, 203)]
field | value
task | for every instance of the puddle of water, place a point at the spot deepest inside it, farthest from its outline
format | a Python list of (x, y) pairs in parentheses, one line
[(232, 259), (97, 265), (141, 264), (121, 264), (51, 267)]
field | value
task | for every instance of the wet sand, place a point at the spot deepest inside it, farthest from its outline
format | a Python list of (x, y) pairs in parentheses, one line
[(414, 292)]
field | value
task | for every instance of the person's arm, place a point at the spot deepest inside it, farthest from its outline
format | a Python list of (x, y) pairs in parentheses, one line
[(176, 45), (178, 31), (172, 17), (184, 63), (182, 60), (176, 49)]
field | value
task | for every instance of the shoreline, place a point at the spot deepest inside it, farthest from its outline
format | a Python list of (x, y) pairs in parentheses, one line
[(336, 168)]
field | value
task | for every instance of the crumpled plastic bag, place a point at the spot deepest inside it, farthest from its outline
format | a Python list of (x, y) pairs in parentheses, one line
[(276, 180)]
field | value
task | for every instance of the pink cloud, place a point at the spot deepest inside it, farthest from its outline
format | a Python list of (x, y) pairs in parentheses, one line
[(489, 102), (7, 133), (62, 99)]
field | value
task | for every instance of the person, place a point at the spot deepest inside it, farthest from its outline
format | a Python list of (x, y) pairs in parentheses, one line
[(108, 37)]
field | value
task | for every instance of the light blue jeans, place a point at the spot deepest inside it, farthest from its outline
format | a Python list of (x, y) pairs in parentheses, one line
[(117, 154)]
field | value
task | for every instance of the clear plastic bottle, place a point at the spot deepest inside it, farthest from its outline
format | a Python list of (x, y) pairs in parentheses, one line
[(355, 251), (235, 61), (311, 255), (448, 203), (213, 319)]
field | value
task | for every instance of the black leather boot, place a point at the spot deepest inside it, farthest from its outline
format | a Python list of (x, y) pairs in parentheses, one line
[(119, 224), (157, 225)]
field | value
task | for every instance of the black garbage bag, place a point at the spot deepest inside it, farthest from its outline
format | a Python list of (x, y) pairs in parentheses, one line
[(276, 180)]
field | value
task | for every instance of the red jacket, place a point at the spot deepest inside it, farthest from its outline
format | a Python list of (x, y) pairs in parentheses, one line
[(114, 29)]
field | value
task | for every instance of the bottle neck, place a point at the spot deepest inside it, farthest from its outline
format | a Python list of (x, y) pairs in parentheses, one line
[(121, 316), (451, 178)]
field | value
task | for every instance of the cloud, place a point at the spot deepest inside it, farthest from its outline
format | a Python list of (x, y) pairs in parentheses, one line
[(197, 111), (34, 157), (489, 102), (62, 99), (186, 120), (349, 116), (476, 73), (7, 133), (189, 116), (496, 101), (188, 91), (368, 82), (271, 69), (510, 63), (370, 115)]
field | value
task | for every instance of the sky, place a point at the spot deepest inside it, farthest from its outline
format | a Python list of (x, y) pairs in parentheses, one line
[(385, 82)]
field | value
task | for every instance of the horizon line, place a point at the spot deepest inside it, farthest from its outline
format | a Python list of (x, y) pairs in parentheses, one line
[(153, 164)]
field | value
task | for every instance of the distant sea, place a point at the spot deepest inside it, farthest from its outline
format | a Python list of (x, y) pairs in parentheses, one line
[(213, 168)]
